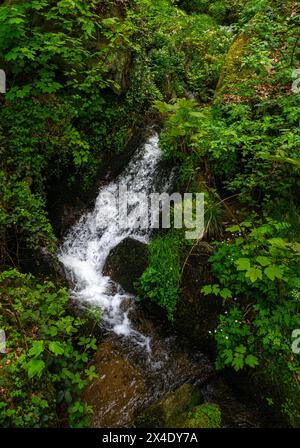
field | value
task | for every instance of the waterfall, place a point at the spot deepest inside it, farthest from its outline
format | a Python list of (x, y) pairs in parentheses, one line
[(88, 244)]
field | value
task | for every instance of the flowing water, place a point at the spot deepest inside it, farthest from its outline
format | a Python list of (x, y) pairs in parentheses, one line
[(136, 365), (89, 243)]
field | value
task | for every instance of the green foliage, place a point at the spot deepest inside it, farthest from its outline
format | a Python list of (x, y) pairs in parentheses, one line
[(207, 415), (224, 11), (160, 282), (246, 146), (81, 75), (23, 221), (260, 272), (45, 364)]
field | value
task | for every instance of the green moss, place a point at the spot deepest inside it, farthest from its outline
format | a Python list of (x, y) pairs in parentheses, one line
[(232, 74), (204, 416), (181, 409)]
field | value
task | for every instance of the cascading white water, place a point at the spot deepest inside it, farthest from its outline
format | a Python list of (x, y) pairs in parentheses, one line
[(87, 246)]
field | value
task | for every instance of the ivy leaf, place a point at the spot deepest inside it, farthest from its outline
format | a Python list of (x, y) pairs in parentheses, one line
[(243, 264), (37, 348), (273, 272), (251, 361), (56, 348), (35, 367)]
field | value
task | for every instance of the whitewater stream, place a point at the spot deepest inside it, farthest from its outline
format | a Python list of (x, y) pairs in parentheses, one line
[(88, 244)]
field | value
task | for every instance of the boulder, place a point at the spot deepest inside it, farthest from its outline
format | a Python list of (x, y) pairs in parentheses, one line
[(126, 263), (181, 409), (197, 315), (232, 73)]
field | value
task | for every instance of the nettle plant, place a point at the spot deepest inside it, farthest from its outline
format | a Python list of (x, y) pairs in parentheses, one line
[(45, 366), (258, 279)]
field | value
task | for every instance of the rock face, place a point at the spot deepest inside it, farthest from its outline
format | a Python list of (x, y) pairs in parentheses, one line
[(181, 409), (126, 263), (197, 314)]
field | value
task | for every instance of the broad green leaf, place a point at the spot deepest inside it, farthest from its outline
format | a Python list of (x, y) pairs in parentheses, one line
[(206, 290), (251, 361), (226, 293), (243, 264), (216, 289), (254, 274), (273, 272), (279, 243), (56, 348), (264, 261), (238, 363), (35, 367), (37, 348), (233, 229)]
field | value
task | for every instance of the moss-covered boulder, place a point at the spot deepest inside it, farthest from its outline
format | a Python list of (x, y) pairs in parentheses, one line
[(126, 263), (181, 409), (233, 74)]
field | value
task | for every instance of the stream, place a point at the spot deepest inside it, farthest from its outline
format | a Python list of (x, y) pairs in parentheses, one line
[(137, 362)]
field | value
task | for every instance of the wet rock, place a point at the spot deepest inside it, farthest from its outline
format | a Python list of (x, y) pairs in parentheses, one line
[(126, 263), (197, 314), (116, 392), (181, 409)]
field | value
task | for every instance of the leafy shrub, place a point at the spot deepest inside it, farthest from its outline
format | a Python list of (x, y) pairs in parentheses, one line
[(45, 364), (260, 273)]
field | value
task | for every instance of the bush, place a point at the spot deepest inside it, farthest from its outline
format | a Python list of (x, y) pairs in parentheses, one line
[(44, 368)]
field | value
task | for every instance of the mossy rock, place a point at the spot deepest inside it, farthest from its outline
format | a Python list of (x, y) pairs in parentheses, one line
[(205, 416), (168, 410), (232, 73), (181, 409)]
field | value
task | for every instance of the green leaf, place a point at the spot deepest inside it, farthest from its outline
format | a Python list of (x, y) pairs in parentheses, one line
[(35, 367), (91, 373), (216, 289), (273, 272), (36, 349), (226, 293), (56, 348), (238, 363), (233, 229), (206, 290), (243, 264), (279, 243), (254, 274), (251, 361), (263, 261)]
